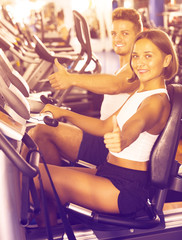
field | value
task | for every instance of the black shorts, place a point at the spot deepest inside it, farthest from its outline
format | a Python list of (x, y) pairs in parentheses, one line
[(132, 184), (92, 149)]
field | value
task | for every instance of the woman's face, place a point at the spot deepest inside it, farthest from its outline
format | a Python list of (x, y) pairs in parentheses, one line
[(148, 61)]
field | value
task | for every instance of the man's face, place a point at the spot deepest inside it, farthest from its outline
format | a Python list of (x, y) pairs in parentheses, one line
[(123, 35)]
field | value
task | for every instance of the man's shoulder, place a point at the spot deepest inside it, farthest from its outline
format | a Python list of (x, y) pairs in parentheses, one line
[(125, 72)]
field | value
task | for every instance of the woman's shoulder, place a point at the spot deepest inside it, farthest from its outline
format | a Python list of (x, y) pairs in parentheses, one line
[(158, 100)]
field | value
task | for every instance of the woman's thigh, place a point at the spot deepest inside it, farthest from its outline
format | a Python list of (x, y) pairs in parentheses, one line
[(66, 138), (82, 187)]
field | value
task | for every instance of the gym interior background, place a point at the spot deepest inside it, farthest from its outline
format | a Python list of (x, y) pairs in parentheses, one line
[(165, 14), (52, 22)]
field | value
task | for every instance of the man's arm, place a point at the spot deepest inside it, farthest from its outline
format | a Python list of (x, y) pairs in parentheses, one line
[(97, 83)]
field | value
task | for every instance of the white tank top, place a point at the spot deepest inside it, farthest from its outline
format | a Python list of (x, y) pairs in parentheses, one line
[(140, 149), (111, 103)]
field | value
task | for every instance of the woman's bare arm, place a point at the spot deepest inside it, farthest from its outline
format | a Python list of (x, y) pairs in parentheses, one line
[(151, 116), (89, 124)]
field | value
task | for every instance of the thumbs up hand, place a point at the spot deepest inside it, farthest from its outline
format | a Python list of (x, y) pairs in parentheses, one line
[(112, 140), (61, 79)]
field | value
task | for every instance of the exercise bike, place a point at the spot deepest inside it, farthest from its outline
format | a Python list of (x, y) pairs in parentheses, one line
[(165, 176)]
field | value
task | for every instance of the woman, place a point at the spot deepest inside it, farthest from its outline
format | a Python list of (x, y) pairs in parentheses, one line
[(120, 185)]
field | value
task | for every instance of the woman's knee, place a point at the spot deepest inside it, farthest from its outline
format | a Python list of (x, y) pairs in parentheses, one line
[(39, 131)]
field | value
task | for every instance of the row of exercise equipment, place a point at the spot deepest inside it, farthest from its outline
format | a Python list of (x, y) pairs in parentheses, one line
[(37, 63), (77, 222), (17, 109)]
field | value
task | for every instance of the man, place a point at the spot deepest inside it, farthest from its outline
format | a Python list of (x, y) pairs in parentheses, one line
[(69, 141)]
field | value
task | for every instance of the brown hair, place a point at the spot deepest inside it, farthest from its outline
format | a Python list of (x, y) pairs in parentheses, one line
[(164, 43), (128, 14)]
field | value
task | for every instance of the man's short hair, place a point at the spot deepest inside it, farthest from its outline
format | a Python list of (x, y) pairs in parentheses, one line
[(128, 14)]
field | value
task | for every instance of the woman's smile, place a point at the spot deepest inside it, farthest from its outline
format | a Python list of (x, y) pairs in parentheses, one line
[(142, 71)]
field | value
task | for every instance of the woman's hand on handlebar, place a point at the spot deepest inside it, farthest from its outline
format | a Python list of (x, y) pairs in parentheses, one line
[(56, 112)]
